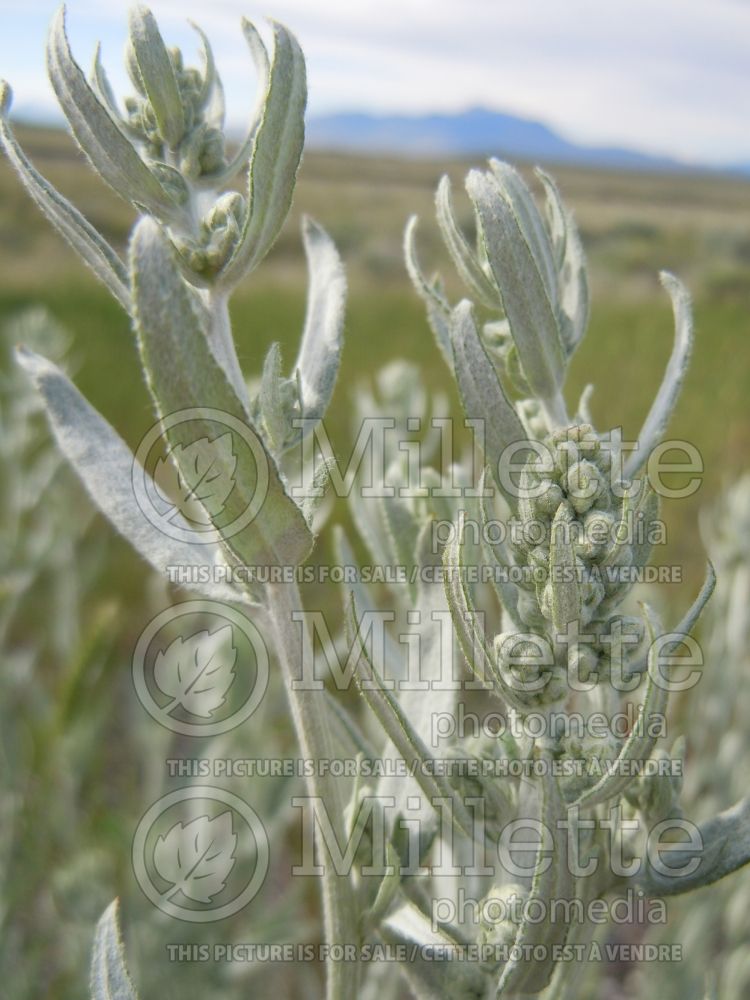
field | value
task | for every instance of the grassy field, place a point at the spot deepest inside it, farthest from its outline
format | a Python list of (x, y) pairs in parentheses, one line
[(84, 760), (632, 225)]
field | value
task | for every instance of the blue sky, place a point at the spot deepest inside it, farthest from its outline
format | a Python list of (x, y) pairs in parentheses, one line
[(664, 76)]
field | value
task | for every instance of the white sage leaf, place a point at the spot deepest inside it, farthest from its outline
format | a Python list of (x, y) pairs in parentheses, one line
[(313, 499), (103, 89), (661, 410), (438, 308), (271, 401), (482, 394), (521, 974), (518, 275), (434, 969), (109, 975), (647, 512), (530, 223), (182, 373), (402, 528), (107, 148), (157, 74), (466, 261), (276, 152), (727, 848), (479, 656), (197, 857), (263, 69), (642, 739), (196, 672), (363, 597), (104, 464), (572, 277), (399, 729), (80, 234), (320, 349), (212, 92)]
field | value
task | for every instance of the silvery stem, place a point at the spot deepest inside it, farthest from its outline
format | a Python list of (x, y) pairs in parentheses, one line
[(308, 708)]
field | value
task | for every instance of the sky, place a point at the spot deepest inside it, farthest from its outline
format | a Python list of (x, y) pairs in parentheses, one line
[(668, 77)]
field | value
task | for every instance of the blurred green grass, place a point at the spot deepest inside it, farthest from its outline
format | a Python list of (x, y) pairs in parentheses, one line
[(632, 226)]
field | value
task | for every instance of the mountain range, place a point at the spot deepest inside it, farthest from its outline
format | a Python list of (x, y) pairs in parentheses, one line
[(475, 132)]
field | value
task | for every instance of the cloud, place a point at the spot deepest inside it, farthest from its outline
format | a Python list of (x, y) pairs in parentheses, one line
[(668, 77)]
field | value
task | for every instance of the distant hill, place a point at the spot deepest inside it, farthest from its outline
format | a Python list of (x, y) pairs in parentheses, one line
[(473, 132)]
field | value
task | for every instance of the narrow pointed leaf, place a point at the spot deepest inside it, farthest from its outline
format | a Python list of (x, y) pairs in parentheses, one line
[(399, 730), (530, 222), (270, 399), (552, 880), (103, 89), (659, 415), (320, 349), (438, 309), (209, 73), (727, 848), (109, 975), (277, 149), (466, 261), (647, 511), (432, 970), (481, 392), (212, 95), (85, 240), (157, 73), (572, 277), (477, 651), (312, 501), (181, 372), (104, 464), (109, 151), (263, 69), (402, 529), (641, 741), (527, 305)]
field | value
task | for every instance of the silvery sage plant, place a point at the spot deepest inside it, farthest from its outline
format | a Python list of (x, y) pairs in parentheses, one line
[(166, 154), (558, 640), (715, 934), (585, 516)]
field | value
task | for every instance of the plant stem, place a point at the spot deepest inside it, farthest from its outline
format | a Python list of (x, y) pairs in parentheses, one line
[(341, 918)]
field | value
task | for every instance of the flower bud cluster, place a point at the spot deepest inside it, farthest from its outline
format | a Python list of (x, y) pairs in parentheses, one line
[(575, 487), (572, 540), (199, 149), (218, 235)]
